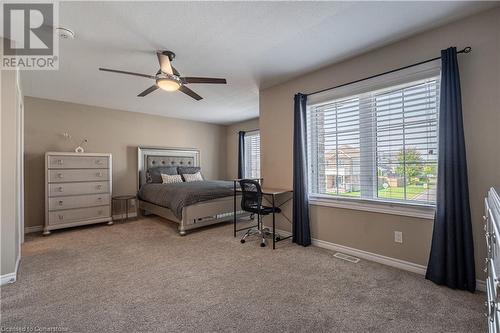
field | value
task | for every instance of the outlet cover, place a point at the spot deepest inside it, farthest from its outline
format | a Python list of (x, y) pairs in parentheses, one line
[(398, 236)]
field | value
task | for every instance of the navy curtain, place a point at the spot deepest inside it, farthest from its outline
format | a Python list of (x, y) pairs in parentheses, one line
[(451, 261), (301, 232), (241, 155)]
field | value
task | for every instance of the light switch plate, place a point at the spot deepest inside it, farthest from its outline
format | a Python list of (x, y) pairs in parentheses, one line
[(398, 236)]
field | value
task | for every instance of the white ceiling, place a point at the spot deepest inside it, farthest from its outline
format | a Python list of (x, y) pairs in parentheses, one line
[(251, 44)]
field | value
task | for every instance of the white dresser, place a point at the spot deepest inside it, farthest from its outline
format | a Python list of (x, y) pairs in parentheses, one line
[(77, 189), (492, 229)]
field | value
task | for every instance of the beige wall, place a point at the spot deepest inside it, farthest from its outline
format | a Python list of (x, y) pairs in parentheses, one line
[(9, 205), (232, 144), (109, 131), (480, 76)]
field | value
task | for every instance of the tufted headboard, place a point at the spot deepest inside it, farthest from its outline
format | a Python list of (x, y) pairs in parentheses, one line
[(151, 157)]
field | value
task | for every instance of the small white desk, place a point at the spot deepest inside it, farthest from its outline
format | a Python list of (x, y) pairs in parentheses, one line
[(273, 192)]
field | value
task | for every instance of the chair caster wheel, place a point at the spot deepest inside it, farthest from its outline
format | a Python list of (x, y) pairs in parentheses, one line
[(242, 241), (262, 244)]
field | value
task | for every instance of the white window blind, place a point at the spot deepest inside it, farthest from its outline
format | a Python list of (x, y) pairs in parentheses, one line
[(377, 145), (252, 154)]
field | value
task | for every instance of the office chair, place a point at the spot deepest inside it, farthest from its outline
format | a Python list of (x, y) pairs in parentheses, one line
[(251, 201)]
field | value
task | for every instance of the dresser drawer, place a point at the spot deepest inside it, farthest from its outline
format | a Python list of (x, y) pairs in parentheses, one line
[(77, 162), (75, 175), (78, 201), (63, 189), (492, 309), (73, 215)]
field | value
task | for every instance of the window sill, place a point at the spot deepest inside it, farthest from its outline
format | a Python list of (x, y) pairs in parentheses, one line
[(420, 211)]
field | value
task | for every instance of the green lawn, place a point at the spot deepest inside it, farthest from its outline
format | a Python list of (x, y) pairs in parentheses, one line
[(390, 193), (398, 192)]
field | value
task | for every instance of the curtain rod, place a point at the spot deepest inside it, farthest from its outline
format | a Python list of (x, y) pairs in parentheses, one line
[(254, 130), (464, 50)]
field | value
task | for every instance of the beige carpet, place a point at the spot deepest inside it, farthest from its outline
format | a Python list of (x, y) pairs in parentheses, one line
[(140, 276)]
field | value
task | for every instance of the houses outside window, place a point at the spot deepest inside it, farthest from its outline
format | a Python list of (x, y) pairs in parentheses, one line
[(378, 144)]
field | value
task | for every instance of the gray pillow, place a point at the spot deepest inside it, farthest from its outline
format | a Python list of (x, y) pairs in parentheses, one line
[(154, 174), (188, 170)]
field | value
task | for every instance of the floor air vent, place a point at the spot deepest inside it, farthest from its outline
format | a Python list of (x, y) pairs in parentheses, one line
[(346, 257)]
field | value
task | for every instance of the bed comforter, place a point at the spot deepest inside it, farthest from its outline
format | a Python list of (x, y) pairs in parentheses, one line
[(176, 196)]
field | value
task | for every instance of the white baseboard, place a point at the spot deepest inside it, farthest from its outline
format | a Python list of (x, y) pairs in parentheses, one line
[(10, 277), (481, 285), (35, 228), (389, 261), (39, 228), (7, 278), (393, 262)]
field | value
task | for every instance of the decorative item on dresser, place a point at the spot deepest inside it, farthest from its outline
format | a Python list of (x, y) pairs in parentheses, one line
[(78, 147), (77, 189), (492, 229)]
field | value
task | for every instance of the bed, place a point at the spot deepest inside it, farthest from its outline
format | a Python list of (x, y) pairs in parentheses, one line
[(190, 204)]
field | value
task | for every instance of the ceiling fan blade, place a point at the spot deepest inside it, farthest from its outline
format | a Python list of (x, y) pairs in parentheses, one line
[(190, 79), (148, 91), (176, 72), (164, 61), (190, 93), (128, 73)]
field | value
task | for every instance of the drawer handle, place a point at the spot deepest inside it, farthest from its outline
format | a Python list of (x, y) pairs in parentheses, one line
[(61, 217), (99, 187), (98, 161), (60, 175), (99, 199), (99, 174), (60, 202), (60, 162), (60, 189), (491, 310)]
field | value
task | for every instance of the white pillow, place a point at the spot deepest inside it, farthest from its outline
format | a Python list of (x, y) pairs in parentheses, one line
[(170, 179), (192, 177)]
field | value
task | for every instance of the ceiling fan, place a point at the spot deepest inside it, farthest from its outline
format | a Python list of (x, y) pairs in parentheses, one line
[(168, 78)]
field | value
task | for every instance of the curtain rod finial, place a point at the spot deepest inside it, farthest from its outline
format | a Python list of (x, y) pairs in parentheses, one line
[(467, 49)]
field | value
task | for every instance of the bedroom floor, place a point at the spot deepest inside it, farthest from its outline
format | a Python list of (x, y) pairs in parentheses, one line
[(141, 276)]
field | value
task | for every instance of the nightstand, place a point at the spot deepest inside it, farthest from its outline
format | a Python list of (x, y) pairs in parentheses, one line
[(123, 202)]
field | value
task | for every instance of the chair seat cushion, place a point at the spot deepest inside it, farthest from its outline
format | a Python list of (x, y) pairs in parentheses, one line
[(264, 210)]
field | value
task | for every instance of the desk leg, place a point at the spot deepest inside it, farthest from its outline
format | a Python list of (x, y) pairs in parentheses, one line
[(274, 226), (234, 209)]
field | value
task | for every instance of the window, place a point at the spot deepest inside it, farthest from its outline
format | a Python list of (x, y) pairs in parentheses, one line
[(378, 144), (252, 154)]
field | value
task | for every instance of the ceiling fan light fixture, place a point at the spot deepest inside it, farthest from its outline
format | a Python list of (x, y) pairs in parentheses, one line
[(167, 78), (168, 84)]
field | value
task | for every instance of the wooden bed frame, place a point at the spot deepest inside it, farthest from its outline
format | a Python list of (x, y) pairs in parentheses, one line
[(193, 216)]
